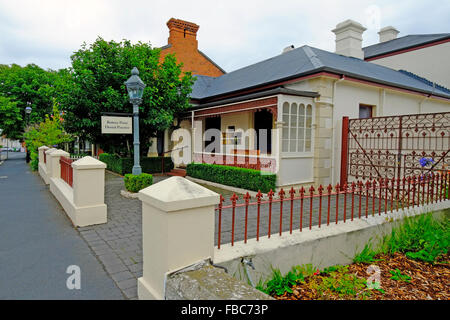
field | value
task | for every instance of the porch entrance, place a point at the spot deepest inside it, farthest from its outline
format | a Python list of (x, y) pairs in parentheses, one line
[(263, 126), (212, 123)]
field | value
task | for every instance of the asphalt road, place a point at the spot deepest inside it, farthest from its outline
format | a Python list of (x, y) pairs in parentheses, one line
[(38, 242)]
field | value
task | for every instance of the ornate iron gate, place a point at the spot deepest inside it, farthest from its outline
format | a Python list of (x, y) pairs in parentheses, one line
[(391, 147)]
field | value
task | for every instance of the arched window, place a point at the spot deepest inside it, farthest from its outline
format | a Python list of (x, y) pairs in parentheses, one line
[(297, 128)]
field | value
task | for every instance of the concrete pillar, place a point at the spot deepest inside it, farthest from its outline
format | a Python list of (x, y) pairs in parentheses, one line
[(89, 191), (53, 158), (177, 231), (41, 153), (48, 164)]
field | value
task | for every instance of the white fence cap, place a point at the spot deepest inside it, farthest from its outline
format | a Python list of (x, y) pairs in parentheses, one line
[(177, 193)]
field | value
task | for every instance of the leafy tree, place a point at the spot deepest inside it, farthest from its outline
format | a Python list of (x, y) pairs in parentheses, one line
[(10, 118), (28, 86), (95, 84), (47, 133)]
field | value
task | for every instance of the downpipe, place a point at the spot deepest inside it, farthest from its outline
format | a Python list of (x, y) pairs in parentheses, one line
[(246, 262)]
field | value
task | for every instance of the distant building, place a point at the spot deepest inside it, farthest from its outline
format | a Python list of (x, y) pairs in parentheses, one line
[(183, 42), (425, 55)]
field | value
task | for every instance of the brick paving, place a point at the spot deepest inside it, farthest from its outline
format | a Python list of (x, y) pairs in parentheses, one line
[(118, 243)]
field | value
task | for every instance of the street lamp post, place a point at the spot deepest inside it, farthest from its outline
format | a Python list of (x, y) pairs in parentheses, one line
[(135, 88), (28, 112)]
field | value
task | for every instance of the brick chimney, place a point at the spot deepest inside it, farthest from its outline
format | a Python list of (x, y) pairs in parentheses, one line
[(183, 33), (349, 39), (388, 33)]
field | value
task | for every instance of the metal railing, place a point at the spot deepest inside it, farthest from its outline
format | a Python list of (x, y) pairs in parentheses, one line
[(66, 170), (252, 219)]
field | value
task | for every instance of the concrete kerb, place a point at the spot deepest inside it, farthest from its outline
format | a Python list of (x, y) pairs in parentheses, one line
[(321, 247)]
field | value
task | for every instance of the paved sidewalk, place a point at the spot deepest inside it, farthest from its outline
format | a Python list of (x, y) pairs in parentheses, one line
[(118, 243), (38, 242)]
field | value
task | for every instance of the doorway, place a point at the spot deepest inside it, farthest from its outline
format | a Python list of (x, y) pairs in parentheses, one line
[(263, 126)]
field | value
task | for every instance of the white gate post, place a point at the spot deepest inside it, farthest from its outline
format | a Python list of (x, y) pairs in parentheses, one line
[(177, 231)]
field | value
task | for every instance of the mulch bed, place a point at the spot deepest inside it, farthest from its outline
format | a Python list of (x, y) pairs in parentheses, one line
[(428, 282)]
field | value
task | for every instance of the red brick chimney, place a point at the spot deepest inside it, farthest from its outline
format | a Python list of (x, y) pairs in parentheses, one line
[(182, 33)]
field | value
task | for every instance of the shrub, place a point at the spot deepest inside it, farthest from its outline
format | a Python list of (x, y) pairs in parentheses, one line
[(134, 183), (125, 165), (422, 238), (232, 176)]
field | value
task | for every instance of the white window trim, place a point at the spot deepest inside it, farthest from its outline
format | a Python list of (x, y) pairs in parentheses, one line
[(297, 154)]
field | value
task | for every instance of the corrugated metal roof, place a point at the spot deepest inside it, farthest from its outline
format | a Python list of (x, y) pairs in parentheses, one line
[(303, 61), (401, 43)]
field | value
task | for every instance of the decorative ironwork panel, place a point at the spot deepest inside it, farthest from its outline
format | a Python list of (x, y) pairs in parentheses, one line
[(391, 147)]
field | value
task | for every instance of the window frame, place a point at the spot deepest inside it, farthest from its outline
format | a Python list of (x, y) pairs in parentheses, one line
[(286, 127)]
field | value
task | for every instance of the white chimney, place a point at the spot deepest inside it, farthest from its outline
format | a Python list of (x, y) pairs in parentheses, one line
[(388, 33), (349, 39)]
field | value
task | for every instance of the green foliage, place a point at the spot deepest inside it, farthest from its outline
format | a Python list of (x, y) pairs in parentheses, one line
[(278, 284), (134, 183), (27, 86), (125, 165), (232, 176), (10, 118), (422, 238), (95, 84), (397, 275), (47, 133), (367, 255), (331, 280), (336, 279)]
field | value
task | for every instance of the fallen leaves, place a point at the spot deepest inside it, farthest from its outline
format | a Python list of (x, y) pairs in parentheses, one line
[(428, 281)]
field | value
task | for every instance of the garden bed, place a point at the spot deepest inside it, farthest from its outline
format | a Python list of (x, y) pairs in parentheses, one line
[(401, 278), (412, 263)]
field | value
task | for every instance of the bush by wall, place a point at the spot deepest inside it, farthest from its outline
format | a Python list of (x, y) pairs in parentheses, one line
[(134, 183), (123, 166), (232, 176)]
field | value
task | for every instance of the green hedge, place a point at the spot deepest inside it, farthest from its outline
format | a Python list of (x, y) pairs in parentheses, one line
[(134, 183), (123, 166), (232, 176)]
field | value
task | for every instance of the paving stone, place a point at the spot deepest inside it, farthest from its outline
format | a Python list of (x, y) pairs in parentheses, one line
[(123, 275), (127, 284)]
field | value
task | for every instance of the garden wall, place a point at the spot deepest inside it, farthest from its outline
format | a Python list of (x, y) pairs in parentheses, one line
[(321, 247)]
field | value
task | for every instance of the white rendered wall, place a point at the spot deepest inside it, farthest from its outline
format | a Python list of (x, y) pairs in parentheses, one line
[(430, 62)]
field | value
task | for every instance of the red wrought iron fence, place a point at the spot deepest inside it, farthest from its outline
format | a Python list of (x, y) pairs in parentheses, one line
[(391, 147), (66, 170), (296, 209)]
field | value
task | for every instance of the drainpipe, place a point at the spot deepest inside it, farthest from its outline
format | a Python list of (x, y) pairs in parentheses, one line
[(342, 78), (246, 262)]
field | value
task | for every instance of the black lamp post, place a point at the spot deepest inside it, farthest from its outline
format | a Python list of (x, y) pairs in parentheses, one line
[(135, 88), (27, 112)]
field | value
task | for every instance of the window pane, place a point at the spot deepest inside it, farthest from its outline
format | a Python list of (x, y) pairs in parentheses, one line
[(307, 145), (365, 111), (293, 145), (302, 109), (300, 145), (301, 121), (293, 135), (285, 147), (286, 107), (309, 111), (286, 119), (294, 108), (301, 133), (285, 133)]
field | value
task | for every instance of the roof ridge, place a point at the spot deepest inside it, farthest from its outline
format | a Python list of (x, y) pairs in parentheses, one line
[(312, 56)]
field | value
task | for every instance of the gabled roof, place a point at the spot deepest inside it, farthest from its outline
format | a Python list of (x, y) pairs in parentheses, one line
[(304, 61), (403, 43)]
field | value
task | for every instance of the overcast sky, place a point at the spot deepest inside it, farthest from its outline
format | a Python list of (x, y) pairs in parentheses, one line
[(232, 33)]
